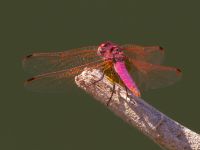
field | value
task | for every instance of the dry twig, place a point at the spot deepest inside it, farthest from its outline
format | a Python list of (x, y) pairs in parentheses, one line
[(164, 131)]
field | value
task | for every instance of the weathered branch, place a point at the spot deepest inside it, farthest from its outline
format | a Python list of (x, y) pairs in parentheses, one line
[(164, 131)]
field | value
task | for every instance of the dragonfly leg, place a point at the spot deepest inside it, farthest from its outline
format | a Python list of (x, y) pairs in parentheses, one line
[(127, 96), (97, 80), (101, 76), (113, 90), (126, 92)]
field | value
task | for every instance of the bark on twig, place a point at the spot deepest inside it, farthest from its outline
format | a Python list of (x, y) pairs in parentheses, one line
[(164, 131)]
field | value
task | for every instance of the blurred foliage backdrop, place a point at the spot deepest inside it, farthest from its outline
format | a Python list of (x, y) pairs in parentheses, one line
[(74, 121)]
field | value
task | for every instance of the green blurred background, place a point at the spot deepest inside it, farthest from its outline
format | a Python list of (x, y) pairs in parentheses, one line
[(38, 121)]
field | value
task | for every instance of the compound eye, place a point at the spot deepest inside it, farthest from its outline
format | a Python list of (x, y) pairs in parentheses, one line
[(100, 51), (112, 48), (103, 45), (99, 48), (106, 44)]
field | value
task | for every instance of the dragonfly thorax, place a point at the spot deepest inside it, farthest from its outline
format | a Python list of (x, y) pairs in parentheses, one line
[(111, 51)]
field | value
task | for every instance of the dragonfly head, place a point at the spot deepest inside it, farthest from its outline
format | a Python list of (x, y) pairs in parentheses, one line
[(110, 51)]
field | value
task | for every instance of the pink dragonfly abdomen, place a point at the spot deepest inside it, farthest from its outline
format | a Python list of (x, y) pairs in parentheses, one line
[(121, 70)]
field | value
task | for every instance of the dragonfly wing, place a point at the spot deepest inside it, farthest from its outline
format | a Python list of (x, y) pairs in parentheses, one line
[(152, 76), (151, 54), (38, 63), (58, 81)]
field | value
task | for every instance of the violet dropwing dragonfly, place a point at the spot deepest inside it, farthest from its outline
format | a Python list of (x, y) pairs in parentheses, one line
[(138, 68)]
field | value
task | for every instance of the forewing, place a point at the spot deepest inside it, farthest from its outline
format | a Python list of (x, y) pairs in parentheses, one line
[(151, 54), (59, 81), (38, 63), (152, 76)]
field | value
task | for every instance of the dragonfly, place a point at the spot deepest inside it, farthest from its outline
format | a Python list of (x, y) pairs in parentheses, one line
[(138, 68)]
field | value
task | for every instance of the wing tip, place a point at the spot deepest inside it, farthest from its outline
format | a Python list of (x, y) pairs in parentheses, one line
[(29, 80), (28, 56), (178, 71), (161, 48), (25, 58)]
